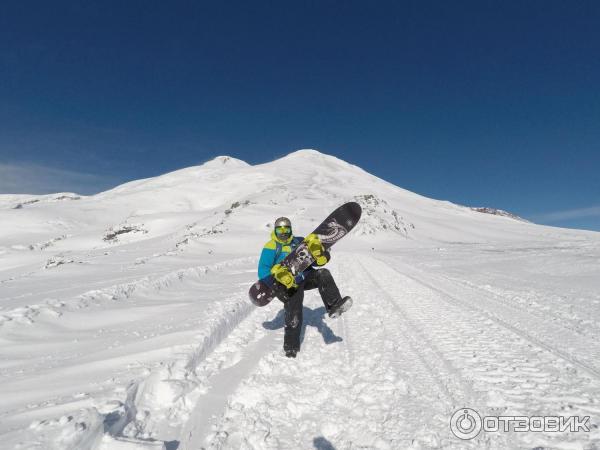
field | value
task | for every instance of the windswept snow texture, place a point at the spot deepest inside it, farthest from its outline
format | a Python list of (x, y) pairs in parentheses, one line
[(125, 322)]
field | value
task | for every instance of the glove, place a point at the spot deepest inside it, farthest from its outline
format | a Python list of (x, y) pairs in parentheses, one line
[(316, 249), (283, 275)]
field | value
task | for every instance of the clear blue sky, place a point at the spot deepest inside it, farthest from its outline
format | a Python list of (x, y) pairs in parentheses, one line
[(481, 103)]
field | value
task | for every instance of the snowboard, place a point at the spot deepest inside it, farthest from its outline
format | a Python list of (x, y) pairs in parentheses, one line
[(337, 225)]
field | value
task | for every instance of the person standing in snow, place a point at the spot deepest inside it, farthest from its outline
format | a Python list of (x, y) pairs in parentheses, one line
[(290, 289)]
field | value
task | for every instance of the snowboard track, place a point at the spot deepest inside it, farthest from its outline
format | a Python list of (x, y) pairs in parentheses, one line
[(450, 383), (504, 362), (470, 306)]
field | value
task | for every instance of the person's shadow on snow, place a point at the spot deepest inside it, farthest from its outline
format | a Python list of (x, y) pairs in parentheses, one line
[(312, 317), (321, 443)]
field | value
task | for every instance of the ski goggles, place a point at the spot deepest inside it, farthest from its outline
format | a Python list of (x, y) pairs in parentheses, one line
[(283, 230)]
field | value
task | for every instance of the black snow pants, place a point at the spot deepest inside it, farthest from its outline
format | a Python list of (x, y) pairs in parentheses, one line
[(315, 279)]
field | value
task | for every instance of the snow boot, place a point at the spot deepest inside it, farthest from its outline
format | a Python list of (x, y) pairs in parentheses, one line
[(291, 353), (340, 307)]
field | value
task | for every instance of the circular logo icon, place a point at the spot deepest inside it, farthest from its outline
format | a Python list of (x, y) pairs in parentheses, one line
[(465, 423)]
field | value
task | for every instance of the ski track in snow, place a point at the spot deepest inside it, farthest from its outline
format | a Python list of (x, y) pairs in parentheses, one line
[(414, 325), (424, 352), (516, 370), (414, 348), (419, 352), (388, 374)]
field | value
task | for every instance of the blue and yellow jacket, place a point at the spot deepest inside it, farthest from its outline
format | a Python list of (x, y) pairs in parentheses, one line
[(274, 252)]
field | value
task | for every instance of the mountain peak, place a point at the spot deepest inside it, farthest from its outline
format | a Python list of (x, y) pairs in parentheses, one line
[(316, 156), (308, 153), (225, 161)]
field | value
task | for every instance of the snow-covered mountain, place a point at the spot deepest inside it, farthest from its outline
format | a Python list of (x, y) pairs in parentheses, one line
[(228, 193), (124, 321)]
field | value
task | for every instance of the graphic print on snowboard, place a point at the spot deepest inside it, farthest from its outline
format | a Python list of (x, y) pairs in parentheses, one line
[(338, 224)]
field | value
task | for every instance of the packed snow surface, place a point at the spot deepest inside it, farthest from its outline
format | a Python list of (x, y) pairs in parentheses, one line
[(125, 322)]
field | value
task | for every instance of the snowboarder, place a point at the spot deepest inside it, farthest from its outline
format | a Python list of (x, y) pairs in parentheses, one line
[(290, 289)]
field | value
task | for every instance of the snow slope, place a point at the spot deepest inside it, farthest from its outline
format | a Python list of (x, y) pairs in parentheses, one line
[(125, 324)]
